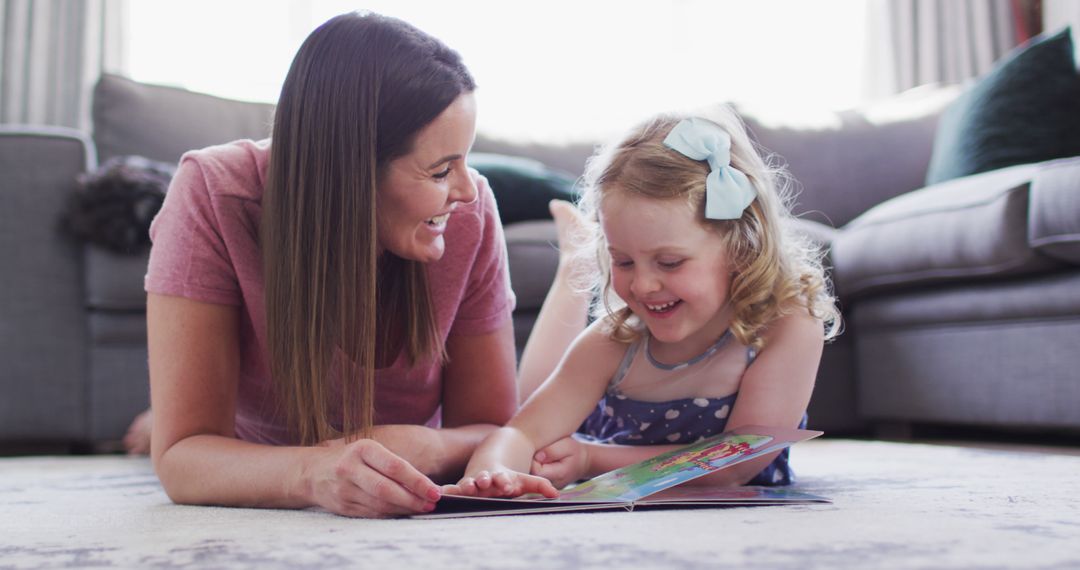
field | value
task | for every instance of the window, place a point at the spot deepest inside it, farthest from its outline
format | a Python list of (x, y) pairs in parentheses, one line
[(552, 70)]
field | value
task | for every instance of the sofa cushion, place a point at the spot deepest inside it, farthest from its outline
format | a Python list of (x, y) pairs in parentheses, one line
[(522, 186), (114, 281), (533, 258), (1043, 297), (162, 123), (1027, 109), (845, 162), (1054, 217), (971, 227)]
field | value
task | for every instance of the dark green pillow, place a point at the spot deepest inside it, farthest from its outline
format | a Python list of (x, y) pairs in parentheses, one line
[(1027, 109), (522, 186)]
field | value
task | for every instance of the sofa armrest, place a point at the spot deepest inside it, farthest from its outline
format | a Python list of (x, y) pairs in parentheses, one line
[(43, 338), (1054, 214), (973, 227)]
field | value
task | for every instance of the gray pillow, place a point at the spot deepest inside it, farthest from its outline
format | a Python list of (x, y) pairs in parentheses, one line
[(161, 123)]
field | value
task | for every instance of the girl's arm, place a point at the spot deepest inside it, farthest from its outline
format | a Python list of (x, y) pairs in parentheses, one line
[(479, 394), (554, 411), (194, 377), (774, 391)]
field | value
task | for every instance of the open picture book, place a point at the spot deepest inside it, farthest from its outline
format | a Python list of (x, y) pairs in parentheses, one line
[(656, 482)]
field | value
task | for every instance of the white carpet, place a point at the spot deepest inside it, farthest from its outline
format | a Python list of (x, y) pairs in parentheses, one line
[(895, 506)]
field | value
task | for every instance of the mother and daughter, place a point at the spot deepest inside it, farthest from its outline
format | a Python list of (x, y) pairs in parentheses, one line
[(329, 310)]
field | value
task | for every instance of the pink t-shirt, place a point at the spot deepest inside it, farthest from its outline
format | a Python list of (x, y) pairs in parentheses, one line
[(206, 248)]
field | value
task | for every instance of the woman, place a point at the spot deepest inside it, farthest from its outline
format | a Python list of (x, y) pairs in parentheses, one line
[(319, 303)]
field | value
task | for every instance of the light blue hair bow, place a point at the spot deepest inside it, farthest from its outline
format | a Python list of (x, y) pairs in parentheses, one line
[(727, 190)]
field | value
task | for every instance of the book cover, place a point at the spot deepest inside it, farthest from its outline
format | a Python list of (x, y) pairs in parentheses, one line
[(654, 482)]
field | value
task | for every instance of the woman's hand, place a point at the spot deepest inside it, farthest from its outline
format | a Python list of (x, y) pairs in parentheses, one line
[(563, 462), (421, 446), (501, 483), (365, 479)]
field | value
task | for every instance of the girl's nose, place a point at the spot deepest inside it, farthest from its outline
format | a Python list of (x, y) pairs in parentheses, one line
[(645, 283)]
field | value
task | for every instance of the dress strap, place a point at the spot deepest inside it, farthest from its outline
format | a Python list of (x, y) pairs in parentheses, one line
[(628, 358), (751, 354)]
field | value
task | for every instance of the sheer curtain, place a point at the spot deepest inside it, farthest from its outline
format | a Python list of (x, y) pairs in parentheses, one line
[(943, 41), (51, 52)]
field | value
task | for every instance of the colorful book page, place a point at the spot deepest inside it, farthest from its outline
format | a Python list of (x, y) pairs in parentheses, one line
[(667, 470)]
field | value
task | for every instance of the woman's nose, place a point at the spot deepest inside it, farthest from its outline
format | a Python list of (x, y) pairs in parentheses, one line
[(464, 189)]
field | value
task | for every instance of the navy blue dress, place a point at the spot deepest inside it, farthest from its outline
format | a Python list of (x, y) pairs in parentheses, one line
[(622, 420)]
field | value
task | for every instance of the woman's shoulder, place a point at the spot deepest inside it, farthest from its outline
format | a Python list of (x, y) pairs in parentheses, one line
[(236, 169)]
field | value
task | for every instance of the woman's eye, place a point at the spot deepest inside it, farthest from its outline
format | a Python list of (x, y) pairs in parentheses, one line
[(443, 174)]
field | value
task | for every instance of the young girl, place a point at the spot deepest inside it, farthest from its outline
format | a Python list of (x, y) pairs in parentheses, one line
[(713, 316)]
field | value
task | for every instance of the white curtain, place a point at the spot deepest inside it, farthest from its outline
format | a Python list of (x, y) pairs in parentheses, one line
[(1060, 13), (936, 41), (51, 52)]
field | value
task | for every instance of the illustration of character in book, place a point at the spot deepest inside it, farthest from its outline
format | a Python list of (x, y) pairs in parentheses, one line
[(707, 459), (642, 479)]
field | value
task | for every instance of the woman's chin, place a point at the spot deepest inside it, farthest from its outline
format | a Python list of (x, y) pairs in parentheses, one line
[(427, 252)]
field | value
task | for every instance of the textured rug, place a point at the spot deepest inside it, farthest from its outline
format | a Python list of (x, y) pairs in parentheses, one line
[(894, 506)]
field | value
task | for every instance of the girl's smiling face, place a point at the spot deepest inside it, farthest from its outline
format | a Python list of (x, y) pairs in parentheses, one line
[(673, 273), (418, 192)]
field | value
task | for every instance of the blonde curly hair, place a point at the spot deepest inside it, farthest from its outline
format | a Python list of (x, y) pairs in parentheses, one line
[(777, 270)]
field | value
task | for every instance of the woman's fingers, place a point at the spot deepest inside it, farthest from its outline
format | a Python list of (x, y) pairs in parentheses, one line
[(390, 484)]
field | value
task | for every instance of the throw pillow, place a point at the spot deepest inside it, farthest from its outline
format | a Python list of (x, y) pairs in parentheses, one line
[(1027, 109), (522, 186), (115, 204)]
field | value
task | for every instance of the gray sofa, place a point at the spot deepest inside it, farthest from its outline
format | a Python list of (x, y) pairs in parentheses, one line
[(959, 300)]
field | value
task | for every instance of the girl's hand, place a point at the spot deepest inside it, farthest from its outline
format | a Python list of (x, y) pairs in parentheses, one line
[(501, 483), (563, 462), (364, 479)]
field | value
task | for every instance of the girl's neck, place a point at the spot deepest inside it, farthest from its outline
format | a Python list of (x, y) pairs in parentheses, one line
[(693, 344)]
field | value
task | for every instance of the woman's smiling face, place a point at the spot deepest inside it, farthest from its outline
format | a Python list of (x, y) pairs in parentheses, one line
[(418, 192)]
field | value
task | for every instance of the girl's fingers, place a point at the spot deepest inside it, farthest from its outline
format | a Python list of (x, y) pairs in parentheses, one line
[(483, 480), (504, 482)]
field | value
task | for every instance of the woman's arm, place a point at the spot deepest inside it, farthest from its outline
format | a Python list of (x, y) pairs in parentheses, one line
[(194, 368)]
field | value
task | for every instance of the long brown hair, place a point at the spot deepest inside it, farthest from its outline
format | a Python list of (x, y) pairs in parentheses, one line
[(359, 90)]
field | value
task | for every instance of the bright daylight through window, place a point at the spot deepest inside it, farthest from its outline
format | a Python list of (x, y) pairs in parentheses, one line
[(556, 70)]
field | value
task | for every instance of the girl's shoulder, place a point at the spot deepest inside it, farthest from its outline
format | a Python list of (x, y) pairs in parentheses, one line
[(597, 347), (795, 326)]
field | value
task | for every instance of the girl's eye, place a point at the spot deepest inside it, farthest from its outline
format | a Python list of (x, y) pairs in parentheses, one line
[(622, 263), (670, 264), (441, 175)]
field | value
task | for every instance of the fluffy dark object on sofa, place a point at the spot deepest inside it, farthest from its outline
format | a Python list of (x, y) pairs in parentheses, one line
[(116, 203)]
